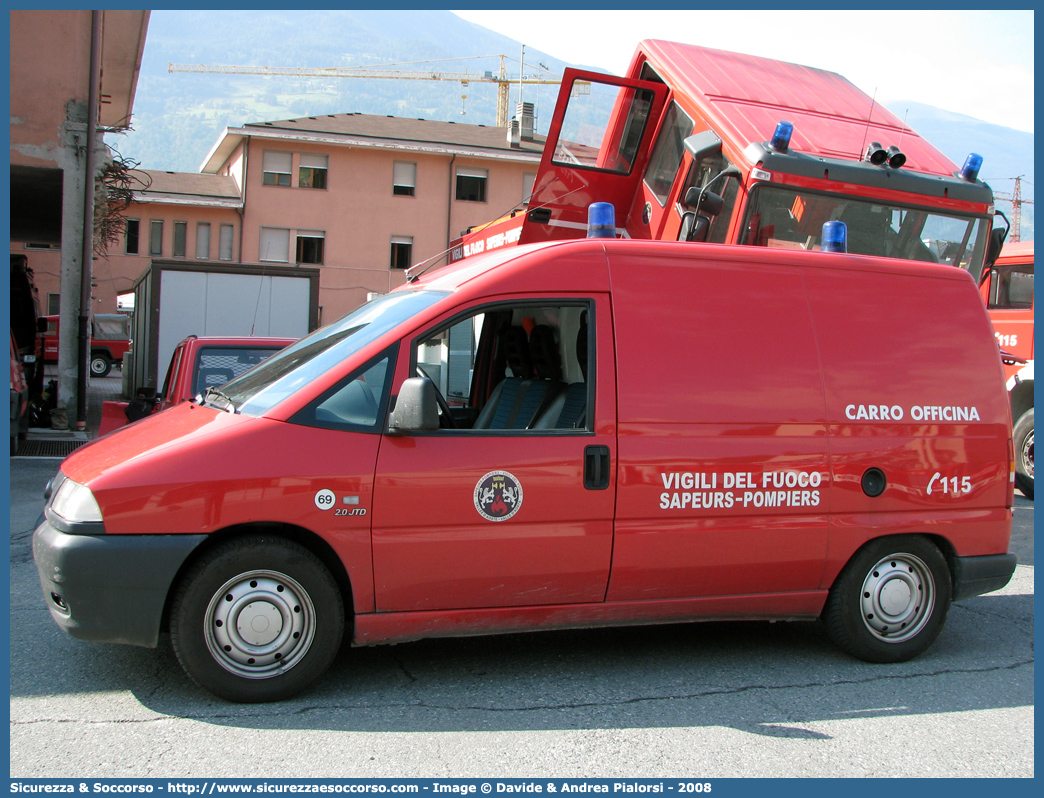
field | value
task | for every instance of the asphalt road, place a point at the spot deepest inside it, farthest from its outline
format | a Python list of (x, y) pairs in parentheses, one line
[(699, 700)]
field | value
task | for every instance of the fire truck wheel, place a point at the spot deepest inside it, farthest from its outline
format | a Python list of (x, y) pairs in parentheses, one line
[(1024, 453), (100, 365), (890, 601), (257, 619)]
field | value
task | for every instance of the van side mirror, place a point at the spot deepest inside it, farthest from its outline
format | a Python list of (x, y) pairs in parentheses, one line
[(416, 408)]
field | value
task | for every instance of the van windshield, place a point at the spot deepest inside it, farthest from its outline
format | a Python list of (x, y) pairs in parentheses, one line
[(781, 217), (262, 388)]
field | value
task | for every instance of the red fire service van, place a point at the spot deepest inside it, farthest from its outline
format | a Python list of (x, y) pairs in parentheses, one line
[(560, 435), (696, 144)]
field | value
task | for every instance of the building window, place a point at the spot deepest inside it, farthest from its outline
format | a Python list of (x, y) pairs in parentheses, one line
[(312, 172), (527, 186), (133, 228), (180, 236), (203, 241), (310, 246), (404, 178), (225, 242), (471, 184), (401, 252), (275, 244), (156, 237), (277, 166), (37, 245), (53, 304)]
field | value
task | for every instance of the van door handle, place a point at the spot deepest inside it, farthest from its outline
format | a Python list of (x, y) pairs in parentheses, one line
[(596, 467)]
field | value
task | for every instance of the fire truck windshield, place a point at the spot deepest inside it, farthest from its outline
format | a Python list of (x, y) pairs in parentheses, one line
[(782, 217), (283, 374)]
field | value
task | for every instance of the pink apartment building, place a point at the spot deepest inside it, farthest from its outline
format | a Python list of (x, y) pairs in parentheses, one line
[(361, 197)]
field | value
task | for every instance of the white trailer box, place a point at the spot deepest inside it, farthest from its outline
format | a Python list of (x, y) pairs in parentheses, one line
[(176, 299)]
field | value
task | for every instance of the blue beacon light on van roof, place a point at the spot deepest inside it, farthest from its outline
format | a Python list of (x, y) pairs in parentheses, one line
[(601, 220), (781, 138), (972, 165), (835, 237)]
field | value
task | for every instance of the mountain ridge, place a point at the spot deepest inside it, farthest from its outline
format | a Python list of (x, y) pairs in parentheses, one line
[(179, 117)]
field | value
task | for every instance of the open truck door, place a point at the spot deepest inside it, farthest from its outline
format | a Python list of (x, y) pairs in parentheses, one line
[(597, 148)]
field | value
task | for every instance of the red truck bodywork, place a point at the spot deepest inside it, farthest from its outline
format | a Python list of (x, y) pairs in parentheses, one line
[(1008, 290), (772, 196), (197, 364), (684, 490)]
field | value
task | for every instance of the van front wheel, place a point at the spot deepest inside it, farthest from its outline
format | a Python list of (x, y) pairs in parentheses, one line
[(257, 619), (891, 600)]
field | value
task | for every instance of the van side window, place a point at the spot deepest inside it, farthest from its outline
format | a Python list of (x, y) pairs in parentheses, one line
[(512, 368), (356, 403)]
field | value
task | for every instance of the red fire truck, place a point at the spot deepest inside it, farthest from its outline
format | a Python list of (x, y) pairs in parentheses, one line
[(695, 144), (1008, 290)]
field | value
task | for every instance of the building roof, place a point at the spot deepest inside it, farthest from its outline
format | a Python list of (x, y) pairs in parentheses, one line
[(123, 45), (186, 188), (382, 132)]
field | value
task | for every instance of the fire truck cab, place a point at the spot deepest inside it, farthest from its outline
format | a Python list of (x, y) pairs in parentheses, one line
[(696, 144)]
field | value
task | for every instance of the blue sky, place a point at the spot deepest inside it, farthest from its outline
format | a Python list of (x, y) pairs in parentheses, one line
[(977, 63)]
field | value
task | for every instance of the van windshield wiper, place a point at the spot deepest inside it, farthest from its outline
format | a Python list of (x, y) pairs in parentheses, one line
[(214, 393)]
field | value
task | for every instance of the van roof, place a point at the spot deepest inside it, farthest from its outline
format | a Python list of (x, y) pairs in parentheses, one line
[(561, 265), (744, 96)]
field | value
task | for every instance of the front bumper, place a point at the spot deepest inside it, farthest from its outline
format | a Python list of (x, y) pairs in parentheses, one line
[(109, 588), (973, 576)]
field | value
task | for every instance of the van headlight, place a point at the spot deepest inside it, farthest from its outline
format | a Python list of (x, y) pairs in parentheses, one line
[(74, 503)]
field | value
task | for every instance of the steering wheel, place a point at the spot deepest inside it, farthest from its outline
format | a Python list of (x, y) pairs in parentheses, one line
[(446, 419)]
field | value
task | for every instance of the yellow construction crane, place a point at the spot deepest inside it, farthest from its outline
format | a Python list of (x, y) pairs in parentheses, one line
[(464, 78)]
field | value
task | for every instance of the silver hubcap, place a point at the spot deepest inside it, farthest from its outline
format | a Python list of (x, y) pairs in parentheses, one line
[(1027, 456), (898, 597), (260, 624)]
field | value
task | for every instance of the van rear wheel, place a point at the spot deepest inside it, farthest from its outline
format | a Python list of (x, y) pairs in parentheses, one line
[(257, 619), (890, 602)]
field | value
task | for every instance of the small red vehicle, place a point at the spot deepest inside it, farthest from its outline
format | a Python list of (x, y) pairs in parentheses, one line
[(560, 435), (196, 365), (1008, 290), (110, 341)]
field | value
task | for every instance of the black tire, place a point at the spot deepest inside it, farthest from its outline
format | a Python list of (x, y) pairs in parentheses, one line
[(276, 584), (890, 601), (1024, 453), (101, 365)]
